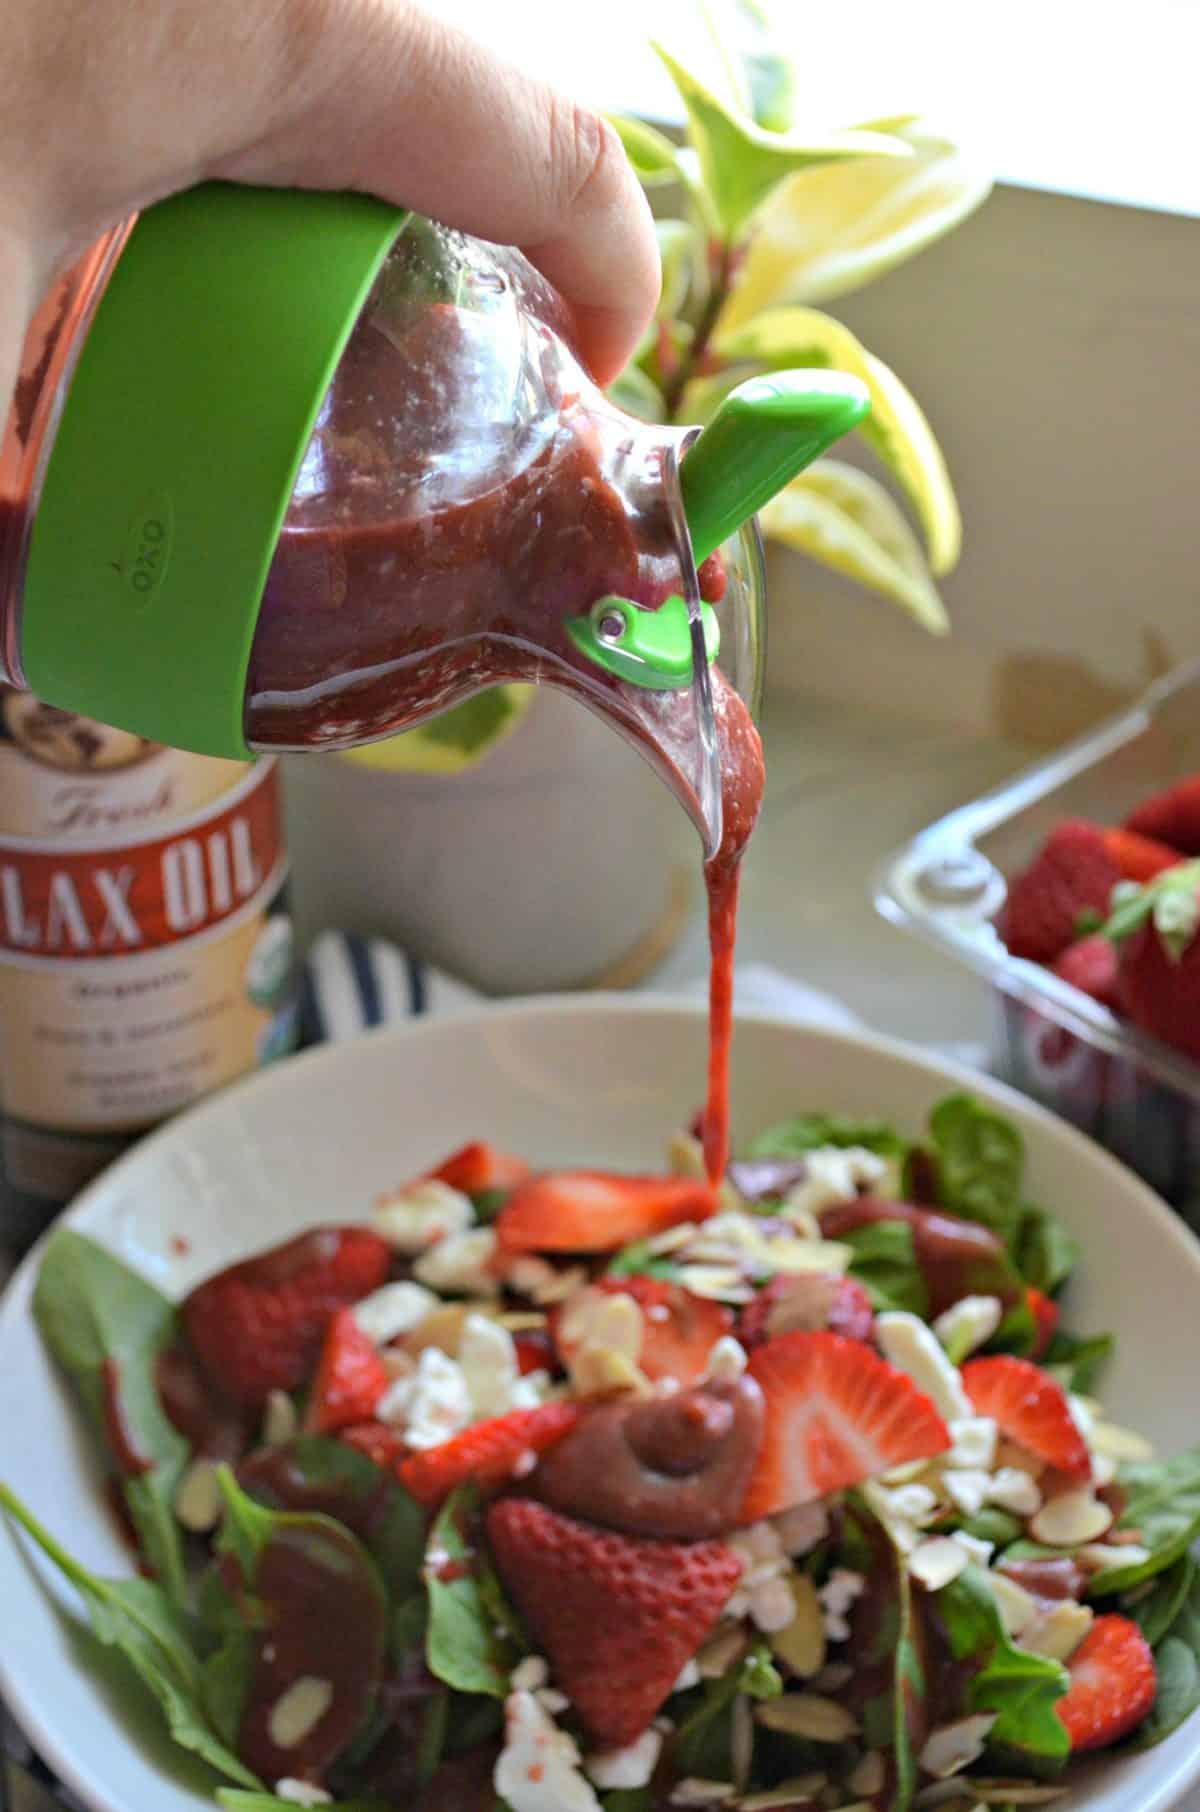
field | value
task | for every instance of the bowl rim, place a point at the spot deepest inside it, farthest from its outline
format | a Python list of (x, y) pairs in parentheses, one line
[(1162, 1795)]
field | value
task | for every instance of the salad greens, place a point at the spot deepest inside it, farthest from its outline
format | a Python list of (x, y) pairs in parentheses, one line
[(446, 1638)]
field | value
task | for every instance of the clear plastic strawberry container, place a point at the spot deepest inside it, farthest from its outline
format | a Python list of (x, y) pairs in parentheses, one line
[(1135, 1096)]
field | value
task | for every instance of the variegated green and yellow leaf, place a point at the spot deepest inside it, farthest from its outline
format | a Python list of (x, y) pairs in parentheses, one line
[(846, 520), (455, 740), (827, 232), (794, 337)]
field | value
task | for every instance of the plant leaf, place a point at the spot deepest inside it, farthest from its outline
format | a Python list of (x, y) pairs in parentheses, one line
[(682, 254), (1177, 1664), (237, 1799), (702, 1746), (1022, 1689), (1078, 1360), (654, 158), (1162, 1500), (463, 1646), (329, 1470), (826, 233), (105, 1326), (1046, 1253), (896, 428), (808, 1132), (637, 393), (885, 1263), (741, 163), (763, 77), (139, 1620), (845, 520)]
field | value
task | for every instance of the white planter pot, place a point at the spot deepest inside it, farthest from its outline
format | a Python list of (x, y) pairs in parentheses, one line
[(560, 861)]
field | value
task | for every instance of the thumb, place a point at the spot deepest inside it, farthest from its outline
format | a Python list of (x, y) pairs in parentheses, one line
[(392, 102)]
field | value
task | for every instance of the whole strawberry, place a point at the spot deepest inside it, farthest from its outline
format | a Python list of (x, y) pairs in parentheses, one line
[(1160, 958), (1172, 816), (1072, 877), (259, 1326), (616, 1617)]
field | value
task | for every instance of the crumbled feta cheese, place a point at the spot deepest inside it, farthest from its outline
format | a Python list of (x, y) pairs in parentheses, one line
[(460, 1264), (902, 1534), (973, 1444), (953, 1747), (968, 1324), (967, 1489), (1014, 1490), (538, 1768), (833, 1173), (837, 1595), (632, 1766), (763, 1593), (551, 1700), (302, 1793), (419, 1215), (488, 1359), (909, 1503), (915, 1349), (727, 1361), (395, 1309), (801, 1528), (431, 1405)]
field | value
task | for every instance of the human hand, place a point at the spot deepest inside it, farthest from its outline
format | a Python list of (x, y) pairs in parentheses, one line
[(108, 105)]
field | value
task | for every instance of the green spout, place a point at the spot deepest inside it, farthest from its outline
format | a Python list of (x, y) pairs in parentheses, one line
[(764, 432)]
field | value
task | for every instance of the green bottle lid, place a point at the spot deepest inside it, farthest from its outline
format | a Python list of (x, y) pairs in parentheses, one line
[(182, 431)]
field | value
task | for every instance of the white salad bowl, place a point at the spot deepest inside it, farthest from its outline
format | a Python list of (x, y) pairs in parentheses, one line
[(593, 1081)]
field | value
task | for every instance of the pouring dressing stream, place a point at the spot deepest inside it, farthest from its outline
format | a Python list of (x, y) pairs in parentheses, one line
[(360, 475)]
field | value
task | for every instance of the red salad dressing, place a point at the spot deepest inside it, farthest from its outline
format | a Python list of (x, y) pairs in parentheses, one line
[(120, 1440)]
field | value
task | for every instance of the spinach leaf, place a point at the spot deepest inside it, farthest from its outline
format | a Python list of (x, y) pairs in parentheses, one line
[(1155, 1613), (463, 1647), (105, 1327), (226, 1682), (409, 1623), (808, 1132), (1177, 1661), (703, 1742), (1046, 1253), (1022, 1689), (473, 1720), (884, 1261), (433, 1737), (1077, 1361), (886, 1649), (981, 1161), (1163, 1501), (1017, 1332), (994, 1525), (395, 1531), (136, 1617)]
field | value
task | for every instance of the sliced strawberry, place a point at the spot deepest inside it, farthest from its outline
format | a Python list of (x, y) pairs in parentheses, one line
[(1113, 1684), (1045, 1321), (596, 1211), (836, 1413), (1093, 965), (1139, 858), (490, 1454), (478, 1167), (616, 1617), (679, 1330), (350, 1377), (1172, 817), (258, 1326), (1031, 1409), (1072, 875), (380, 1442), (810, 1301)]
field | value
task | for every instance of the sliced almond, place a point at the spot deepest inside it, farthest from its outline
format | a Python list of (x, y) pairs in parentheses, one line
[(786, 1794), (728, 1644), (722, 1283), (1008, 1454), (807, 1714), (741, 1741), (1120, 1444), (868, 1777), (1097, 1555), (1015, 1793), (598, 1371), (696, 1792), (1071, 1519), (559, 1286), (297, 1711), (936, 1562), (198, 1497), (672, 1239), (1017, 1607), (596, 1318), (953, 1747), (1057, 1631), (443, 1329), (801, 1646), (521, 1321), (793, 1257)]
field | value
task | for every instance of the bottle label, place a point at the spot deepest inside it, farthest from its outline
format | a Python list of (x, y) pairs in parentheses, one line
[(145, 944)]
